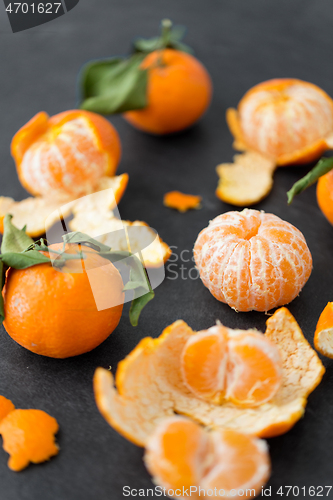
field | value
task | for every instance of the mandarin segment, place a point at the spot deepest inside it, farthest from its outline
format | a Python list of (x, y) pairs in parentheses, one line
[(65, 154), (150, 386), (251, 260), (28, 436), (323, 337), (285, 119), (180, 454), (221, 364)]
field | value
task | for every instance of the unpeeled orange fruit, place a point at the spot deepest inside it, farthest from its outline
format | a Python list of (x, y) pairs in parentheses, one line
[(220, 364), (179, 92), (65, 154), (286, 119), (325, 195), (183, 457), (150, 386), (63, 312), (252, 260)]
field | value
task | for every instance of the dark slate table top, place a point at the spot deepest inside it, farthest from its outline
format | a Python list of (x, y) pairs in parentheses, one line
[(241, 43)]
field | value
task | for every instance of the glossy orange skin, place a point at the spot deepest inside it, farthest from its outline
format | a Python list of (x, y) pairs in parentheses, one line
[(53, 312), (105, 152), (325, 195), (179, 92)]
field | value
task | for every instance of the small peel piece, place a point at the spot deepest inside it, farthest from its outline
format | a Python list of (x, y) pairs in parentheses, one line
[(150, 386), (39, 214), (182, 202), (136, 237), (6, 406), (28, 436), (246, 181), (323, 338)]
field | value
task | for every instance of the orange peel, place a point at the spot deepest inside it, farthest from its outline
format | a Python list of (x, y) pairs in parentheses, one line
[(150, 387), (136, 237), (28, 436), (6, 406), (323, 337), (182, 455), (246, 181), (181, 202), (40, 213)]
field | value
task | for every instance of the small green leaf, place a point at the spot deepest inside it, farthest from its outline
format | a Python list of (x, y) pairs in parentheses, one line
[(2, 282), (14, 239), (24, 259), (137, 305), (119, 88), (323, 167), (84, 239), (132, 285), (170, 37), (93, 71)]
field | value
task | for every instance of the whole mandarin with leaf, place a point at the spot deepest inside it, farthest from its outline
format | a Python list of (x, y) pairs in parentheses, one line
[(251, 260), (160, 88), (179, 91), (66, 154), (286, 119), (53, 310)]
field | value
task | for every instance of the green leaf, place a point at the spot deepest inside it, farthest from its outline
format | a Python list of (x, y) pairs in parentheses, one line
[(2, 282), (24, 259), (92, 72), (132, 285), (170, 37), (137, 305), (84, 239), (14, 239), (324, 166), (115, 87)]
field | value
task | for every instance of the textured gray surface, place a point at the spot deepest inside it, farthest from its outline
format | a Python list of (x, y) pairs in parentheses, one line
[(241, 43)]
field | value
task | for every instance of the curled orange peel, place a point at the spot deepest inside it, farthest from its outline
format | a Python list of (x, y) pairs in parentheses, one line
[(149, 386), (28, 435), (181, 202)]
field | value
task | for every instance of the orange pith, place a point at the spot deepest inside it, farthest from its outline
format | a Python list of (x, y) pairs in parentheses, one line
[(180, 454), (62, 313), (252, 260), (28, 436), (65, 154), (179, 92), (286, 119), (325, 195), (323, 338), (243, 367)]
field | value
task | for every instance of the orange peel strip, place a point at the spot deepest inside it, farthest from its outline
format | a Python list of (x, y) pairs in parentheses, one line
[(28, 436), (39, 214), (119, 235), (150, 386), (6, 406), (181, 202), (246, 181), (323, 338)]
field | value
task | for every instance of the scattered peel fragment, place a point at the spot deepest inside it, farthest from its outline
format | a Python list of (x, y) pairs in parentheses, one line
[(150, 386), (28, 435), (246, 181), (323, 338), (40, 213), (181, 202), (180, 454)]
